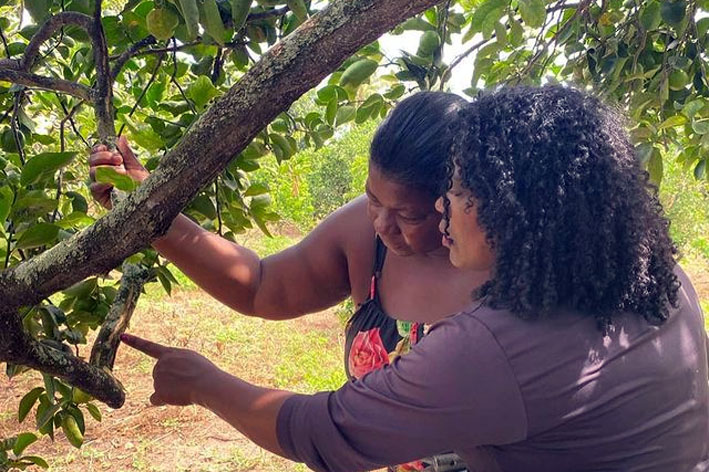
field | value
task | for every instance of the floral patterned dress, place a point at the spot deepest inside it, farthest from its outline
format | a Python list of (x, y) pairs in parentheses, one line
[(373, 340)]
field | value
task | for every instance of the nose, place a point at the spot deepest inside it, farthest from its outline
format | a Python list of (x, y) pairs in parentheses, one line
[(439, 205), (385, 223)]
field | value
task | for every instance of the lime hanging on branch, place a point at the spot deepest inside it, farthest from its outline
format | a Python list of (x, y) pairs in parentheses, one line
[(358, 72)]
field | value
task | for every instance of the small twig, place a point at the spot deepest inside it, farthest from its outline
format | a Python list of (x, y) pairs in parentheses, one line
[(45, 32), (470, 50), (444, 30), (4, 43), (143, 92), (219, 210), (541, 50), (126, 55), (62, 148), (173, 79), (73, 125), (14, 122), (47, 83)]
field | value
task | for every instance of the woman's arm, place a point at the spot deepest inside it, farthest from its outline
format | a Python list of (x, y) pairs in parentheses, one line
[(454, 390), (307, 277)]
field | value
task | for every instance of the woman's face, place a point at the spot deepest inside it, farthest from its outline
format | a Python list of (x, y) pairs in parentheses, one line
[(464, 237), (403, 217)]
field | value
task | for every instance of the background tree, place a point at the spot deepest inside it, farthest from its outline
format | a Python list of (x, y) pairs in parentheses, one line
[(204, 89)]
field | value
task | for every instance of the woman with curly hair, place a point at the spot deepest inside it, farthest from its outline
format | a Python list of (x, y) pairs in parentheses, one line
[(583, 351)]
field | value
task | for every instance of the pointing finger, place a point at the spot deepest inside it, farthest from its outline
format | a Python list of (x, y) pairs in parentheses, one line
[(150, 348), (156, 400)]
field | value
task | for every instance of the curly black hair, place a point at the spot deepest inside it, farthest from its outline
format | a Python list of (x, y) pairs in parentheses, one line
[(566, 206)]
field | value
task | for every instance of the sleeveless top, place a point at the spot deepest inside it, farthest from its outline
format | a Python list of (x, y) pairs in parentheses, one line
[(373, 339)]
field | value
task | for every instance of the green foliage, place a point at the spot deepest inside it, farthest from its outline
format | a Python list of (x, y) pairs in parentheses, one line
[(314, 183), (686, 204)]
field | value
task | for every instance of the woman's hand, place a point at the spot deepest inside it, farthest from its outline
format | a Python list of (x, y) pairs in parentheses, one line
[(122, 160), (178, 375)]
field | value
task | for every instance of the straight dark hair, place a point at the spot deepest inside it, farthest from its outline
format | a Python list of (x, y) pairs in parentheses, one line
[(412, 144)]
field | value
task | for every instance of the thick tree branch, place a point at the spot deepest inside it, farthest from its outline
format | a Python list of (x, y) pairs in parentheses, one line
[(47, 83), (18, 347), (103, 97), (103, 353)]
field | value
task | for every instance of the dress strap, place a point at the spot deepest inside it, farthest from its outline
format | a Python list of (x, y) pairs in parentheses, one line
[(380, 252)]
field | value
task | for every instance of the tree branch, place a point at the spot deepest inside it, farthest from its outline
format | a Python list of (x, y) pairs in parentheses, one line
[(47, 83), (103, 97), (54, 23), (18, 347), (103, 353), (128, 53)]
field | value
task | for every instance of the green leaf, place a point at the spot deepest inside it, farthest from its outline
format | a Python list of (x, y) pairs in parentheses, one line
[(672, 121), (358, 72), (396, 91), (202, 91), (44, 164), (673, 12), (331, 111), (204, 205), (109, 175), (256, 189), (650, 17), (36, 460), (655, 168), (489, 11), (516, 32), (72, 431), (161, 23), (38, 235), (38, 10), (5, 203), (344, 114), (532, 12), (239, 13), (212, 21), (94, 411), (701, 127), (23, 440), (28, 402), (692, 108), (190, 13), (701, 169), (47, 415), (75, 219)]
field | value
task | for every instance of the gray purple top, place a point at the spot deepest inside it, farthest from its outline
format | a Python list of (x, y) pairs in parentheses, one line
[(513, 395)]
